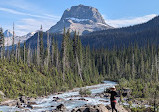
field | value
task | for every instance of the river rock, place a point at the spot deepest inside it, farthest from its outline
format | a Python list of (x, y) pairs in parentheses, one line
[(30, 106), (59, 92), (19, 104), (31, 100), (32, 103), (91, 108), (60, 108), (57, 99), (102, 108), (82, 99), (9, 103), (23, 99), (108, 107)]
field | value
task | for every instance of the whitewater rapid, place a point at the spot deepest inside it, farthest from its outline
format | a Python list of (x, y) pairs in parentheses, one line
[(47, 103)]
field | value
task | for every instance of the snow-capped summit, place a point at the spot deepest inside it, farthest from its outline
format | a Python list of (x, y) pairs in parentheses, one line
[(8, 33), (83, 19), (9, 37)]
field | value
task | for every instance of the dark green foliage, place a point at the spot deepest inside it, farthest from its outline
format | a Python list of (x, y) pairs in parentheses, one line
[(141, 77), (141, 109), (41, 46), (2, 47)]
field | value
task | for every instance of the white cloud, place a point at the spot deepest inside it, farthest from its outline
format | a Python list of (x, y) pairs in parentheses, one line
[(11, 11), (22, 4), (45, 16), (25, 26), (34, 15), (129, 21)]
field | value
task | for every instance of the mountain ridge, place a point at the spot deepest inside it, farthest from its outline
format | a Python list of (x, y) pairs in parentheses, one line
[(140, 34), (8, 36)]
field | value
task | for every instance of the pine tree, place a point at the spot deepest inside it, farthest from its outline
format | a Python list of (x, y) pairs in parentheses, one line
[(156, 68), (13, 47), (19, 58), (48, 49), (57, 55), (133, 66), (38, 51), (80, 51), (64, 49), (2, 47), (77, 51), (8, 57), (24, 52), (41, 46), (29, 55), (16, 52), (52, 51)]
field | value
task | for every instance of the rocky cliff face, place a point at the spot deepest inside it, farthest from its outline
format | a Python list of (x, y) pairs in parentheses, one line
[(83, 19)]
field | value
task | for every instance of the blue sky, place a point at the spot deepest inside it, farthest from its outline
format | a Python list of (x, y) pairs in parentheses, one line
[(28, 15)]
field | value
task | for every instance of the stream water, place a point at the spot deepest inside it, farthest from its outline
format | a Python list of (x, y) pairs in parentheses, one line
[(48, 103)]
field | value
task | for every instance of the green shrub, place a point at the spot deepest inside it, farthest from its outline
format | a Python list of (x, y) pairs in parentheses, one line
[(84, 91)]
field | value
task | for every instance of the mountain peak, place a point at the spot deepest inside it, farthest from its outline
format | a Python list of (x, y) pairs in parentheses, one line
[(9, 36), (8, 33), (83, 12), (83, 19), (80, 5)]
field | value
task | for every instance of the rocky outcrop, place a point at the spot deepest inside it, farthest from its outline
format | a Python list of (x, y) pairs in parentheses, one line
[(120, 108), (99, 108), (21, 102), (9, 103), (91, 108), (83, 19)]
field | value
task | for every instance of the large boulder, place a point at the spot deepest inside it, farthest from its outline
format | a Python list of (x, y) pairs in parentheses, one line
[(23, 99), (19, 104), (60, 108)]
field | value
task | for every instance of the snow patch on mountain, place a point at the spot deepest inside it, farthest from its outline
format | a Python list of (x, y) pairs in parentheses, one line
[(83, 19), (9, 38), (76, 19), (8, 33)]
